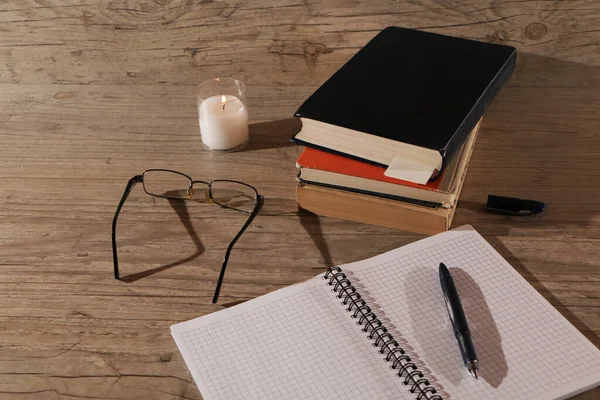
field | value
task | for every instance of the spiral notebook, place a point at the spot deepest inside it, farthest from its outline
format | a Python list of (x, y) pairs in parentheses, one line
[(379, 329)]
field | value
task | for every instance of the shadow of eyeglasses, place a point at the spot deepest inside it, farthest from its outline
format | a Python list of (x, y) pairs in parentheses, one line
[(181, 209)]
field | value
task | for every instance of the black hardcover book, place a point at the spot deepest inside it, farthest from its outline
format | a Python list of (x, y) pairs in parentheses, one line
[(407, 94)]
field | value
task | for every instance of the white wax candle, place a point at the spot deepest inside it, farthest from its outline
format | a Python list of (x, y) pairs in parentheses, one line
[(223, 122)]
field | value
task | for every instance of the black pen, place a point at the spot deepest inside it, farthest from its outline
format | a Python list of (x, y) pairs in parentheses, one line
[(459, 321)]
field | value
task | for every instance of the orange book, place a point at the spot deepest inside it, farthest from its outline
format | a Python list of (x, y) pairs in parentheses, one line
[(321, 160)]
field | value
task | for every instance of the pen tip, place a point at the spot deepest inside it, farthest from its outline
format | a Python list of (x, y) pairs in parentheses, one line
[(474, 373), (473, 369)]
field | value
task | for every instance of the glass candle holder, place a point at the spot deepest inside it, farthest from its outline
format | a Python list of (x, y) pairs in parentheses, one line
[(222, 114)]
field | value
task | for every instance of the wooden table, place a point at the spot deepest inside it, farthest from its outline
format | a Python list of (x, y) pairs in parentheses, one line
[(95, 92)]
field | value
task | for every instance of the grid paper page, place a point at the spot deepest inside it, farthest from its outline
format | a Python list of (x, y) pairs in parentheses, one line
[(526, 349), (295, 343)]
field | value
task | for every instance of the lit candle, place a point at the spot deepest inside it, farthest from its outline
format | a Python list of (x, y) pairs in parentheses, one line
[(223, 122)]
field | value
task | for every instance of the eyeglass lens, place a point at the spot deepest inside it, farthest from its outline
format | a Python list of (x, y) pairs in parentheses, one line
[(234, 195), (167, 184)]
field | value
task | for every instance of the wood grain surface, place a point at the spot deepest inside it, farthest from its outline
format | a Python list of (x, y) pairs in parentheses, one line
[(93, 92)]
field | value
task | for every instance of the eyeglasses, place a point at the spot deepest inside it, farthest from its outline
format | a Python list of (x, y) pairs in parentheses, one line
[(169, 184)]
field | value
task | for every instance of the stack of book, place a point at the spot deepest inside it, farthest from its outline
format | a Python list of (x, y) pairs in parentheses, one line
[(389, 136)]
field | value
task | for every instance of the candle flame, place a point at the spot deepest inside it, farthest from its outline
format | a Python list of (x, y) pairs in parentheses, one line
[(223, 101)]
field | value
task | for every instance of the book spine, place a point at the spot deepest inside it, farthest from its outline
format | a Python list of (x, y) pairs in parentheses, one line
[(382, 339), (479, 108)]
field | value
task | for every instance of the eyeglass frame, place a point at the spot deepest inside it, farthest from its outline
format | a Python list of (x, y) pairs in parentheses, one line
[(258, 203)]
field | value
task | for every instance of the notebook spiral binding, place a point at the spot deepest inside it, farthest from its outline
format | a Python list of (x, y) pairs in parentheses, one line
[(375, 330)]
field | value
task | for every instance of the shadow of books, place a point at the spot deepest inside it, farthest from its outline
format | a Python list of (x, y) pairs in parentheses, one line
[(535, 282), (272, 134), (539, 141), (311, 223)]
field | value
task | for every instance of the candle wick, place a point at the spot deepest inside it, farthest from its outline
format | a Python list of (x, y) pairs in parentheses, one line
[(224, 106)]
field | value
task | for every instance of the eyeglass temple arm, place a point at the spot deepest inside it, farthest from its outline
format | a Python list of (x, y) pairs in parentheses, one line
[(257, 208), (128, 189)]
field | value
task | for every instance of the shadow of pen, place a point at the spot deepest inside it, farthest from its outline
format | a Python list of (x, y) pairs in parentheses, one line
[(484, 332), (439, 346)]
